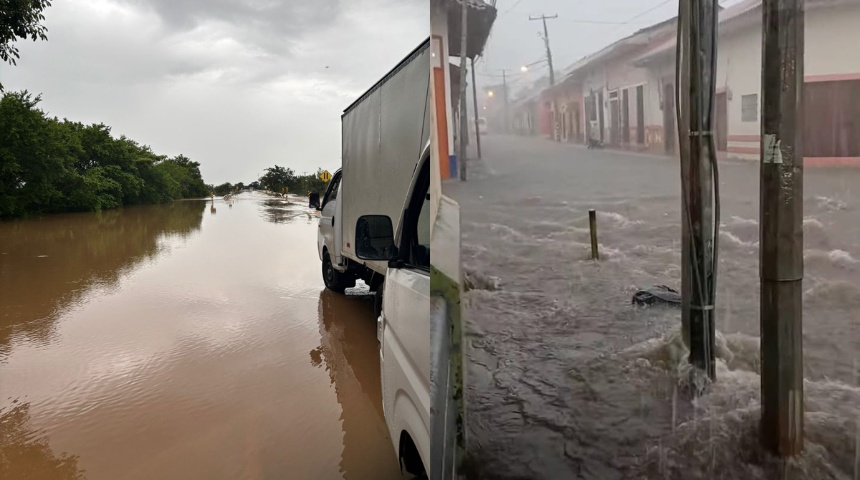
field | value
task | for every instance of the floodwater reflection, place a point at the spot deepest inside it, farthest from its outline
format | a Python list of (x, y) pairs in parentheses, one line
[(166, 342), (48, 265), (25, 452), (288, 210), (349, 351)]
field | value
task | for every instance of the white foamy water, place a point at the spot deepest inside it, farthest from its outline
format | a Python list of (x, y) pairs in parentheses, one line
[(569, 380), (735, 240), (830, 203), (736, 220), (839, 258), (812, 223), (720, 438), (618, 219)]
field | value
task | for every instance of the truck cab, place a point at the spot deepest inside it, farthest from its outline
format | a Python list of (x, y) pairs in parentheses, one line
[(329, 239), (403, 328)]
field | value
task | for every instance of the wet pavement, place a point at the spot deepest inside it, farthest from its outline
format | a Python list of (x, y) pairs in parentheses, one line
[(567, 379), (184, 341)]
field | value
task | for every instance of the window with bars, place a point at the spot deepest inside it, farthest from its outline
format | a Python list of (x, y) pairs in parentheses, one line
[(749, 108)]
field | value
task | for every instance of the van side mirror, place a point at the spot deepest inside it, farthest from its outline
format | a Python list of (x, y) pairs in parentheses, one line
[(374, 238)]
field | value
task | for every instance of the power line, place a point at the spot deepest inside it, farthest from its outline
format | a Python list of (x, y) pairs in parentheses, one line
[(646, 12), (595, 22), (510, 9)]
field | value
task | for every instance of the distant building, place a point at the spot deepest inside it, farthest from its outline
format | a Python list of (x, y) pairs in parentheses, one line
[(831, 133), (605, 96), (624, 94)]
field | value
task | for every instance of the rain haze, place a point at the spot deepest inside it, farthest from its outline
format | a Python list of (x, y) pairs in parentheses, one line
[(582, 28), (575, 196), (235, 85)]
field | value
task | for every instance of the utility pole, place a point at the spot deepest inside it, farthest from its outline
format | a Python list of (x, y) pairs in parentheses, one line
[(475, 103), (505, 93), (696, 71), (544, 18), (464, 115), (781, 228)]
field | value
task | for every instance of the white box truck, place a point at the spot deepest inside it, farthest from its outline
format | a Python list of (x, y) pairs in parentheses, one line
[(384, 134), (375, 225)]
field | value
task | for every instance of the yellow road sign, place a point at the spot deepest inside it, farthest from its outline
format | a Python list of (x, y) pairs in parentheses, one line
[(325, 176)]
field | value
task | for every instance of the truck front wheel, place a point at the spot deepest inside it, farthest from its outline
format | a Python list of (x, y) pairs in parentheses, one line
[(334, 280)]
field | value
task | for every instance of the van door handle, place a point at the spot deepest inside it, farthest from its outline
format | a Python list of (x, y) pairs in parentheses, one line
[(332, 220)]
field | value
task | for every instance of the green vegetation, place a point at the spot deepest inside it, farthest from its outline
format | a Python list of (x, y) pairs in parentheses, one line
[(20, 20), (277, 178), (223, 189), (51, 165)]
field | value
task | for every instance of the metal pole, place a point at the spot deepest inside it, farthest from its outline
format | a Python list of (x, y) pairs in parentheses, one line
[(464, 115), (697, 47), (475, 103), (781, 229), (505, 93), (592, 226)]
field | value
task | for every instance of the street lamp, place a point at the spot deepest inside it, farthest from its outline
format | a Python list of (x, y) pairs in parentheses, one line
[(525, 68), (490, 93)]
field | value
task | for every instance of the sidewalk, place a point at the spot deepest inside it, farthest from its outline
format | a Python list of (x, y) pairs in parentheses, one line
[(809, 162)]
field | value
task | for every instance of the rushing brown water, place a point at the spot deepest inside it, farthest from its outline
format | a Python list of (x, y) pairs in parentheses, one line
[(177, 342), (567, 379)]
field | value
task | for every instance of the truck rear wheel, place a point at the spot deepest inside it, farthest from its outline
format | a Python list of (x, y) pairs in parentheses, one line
[(334, 280)]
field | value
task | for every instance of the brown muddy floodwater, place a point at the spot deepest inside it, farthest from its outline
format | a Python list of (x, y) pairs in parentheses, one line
[(171, 341)]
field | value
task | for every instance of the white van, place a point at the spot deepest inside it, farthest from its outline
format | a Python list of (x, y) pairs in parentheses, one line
[(403, 327), (375, 225)]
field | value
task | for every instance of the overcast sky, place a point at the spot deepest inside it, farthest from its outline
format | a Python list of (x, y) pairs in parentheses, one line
[(582, 27), (237, 85)]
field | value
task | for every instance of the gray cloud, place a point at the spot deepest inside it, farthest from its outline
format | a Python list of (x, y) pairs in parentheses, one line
[(237, 85)]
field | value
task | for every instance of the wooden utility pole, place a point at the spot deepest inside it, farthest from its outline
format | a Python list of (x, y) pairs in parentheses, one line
[(697, 54), (781, 228), (464, 115), (544, 18), (475, 103)]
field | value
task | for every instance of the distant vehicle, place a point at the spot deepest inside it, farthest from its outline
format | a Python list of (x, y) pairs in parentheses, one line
[(482, 126), (374, 225)]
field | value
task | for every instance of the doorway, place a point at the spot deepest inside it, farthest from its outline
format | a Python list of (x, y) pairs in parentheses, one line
[(600, 115), (614, 120), (670, 133), (625, 116)]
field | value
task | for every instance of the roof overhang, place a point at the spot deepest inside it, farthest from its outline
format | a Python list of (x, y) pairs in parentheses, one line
[(618, 49), (479, 21)]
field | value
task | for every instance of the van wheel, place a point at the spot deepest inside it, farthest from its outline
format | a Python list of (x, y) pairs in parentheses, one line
[(410, 460), (334, 280)]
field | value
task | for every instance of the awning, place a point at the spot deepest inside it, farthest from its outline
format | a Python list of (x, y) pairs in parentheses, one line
[(479, 22)]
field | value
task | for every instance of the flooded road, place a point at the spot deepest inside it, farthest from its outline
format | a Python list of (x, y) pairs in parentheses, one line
[(569, 380), (180, 342)]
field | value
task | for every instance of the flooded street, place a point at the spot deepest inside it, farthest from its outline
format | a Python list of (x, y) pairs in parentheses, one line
[(175, 341), (567, 379)]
